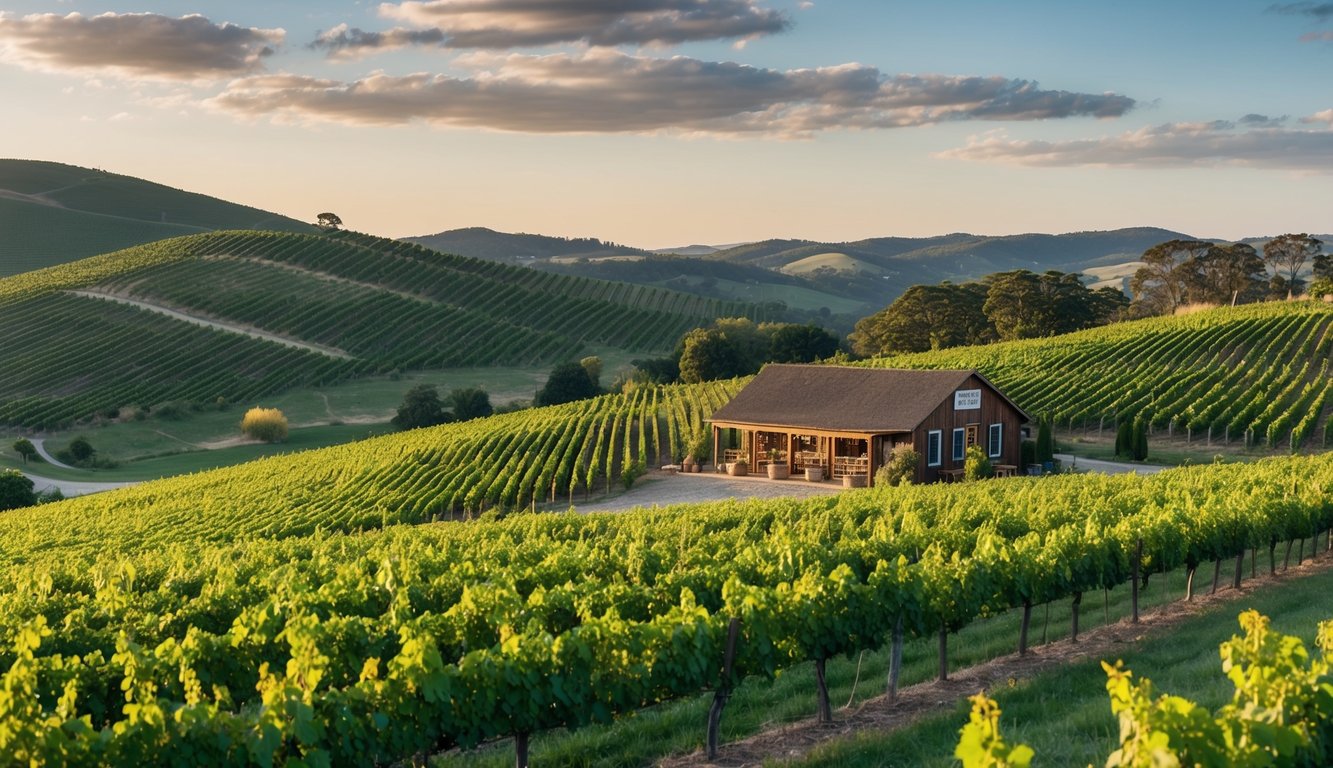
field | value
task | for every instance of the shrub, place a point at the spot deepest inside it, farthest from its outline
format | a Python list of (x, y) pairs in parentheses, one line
[(470, 403), (15, 490), (977, 466), (632, 471), (900, 469), (267, 424)]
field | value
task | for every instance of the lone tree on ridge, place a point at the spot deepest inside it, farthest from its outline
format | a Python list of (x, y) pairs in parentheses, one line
[(329, 220)]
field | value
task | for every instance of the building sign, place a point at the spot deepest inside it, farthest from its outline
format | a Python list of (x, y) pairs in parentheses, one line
[(967, 400)]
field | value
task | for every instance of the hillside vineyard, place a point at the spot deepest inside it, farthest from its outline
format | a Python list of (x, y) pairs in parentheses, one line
[(375, 305), (331, 649)]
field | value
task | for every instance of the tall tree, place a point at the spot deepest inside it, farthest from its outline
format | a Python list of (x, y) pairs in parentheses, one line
[(1287, 254), (1016, 306), (1227, 274), (421, 407), (708, 354), (926, 317), (471, 403), (568, 382), (793, 343), (1161, 285)]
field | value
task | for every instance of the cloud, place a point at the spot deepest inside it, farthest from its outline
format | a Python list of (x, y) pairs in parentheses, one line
[(342, 42), (1318, 37), (1172, 145), (605, 91), (136, 44), (1320, 11), (1320, 117), (504, 24)]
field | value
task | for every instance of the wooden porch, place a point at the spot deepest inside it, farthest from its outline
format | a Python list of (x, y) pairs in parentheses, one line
[(838, 454)]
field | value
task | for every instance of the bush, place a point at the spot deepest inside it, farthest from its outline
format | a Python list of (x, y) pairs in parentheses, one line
[(470, 403), (80, 450), (267, 424), (977, 466), (568, 382), (15, 490), (901, 467), (632, 471), (50, 495)]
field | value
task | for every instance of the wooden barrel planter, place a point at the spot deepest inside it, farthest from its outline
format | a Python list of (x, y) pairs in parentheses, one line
[(778, 472), (814, 474), (853, 481)]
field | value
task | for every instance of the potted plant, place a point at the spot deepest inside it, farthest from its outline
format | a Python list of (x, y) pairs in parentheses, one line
[(853, 481), (814, 474), (777, 469), (739, 468), (697, 451)]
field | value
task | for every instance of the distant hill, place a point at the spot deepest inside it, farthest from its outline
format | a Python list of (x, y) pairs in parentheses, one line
[(235, 315), (833, 283), (52, 213), (507, 248)]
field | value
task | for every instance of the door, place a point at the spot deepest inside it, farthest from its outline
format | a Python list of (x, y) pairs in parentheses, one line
[(973, 434)]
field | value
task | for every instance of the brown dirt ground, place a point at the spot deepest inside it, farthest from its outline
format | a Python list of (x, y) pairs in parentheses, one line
[(795, 740)]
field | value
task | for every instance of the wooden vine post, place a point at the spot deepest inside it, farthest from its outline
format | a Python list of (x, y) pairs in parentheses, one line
[(1240, 563), (1023, 628), (520, 750), (1217, 573), (1073, 619), (825, 709), (896, 658), (1134, 580), (723, 691), (944, 653)]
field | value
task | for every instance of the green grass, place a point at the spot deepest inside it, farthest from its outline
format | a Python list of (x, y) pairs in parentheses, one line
[(159, 447), (173, 464), (678, 727), (1064, 713), (794, 296)]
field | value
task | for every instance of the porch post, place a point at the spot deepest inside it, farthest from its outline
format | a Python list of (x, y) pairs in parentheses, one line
[(790, 457), (717, 432), (870, 465)]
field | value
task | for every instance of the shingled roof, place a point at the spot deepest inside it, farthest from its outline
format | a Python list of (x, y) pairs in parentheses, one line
[(843, 399)]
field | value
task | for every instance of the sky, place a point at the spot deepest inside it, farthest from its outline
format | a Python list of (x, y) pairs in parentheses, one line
[(662, 123)]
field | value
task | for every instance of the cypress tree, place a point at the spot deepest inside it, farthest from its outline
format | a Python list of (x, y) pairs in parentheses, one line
[(1045, 442), (1140, 438), (1124, 438)]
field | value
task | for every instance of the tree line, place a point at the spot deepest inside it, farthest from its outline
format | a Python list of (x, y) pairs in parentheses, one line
[(1004, 306), (1178, 273)]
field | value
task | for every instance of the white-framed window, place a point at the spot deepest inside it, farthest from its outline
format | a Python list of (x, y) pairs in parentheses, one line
[(934, 440), (996, 442), (959, 444)]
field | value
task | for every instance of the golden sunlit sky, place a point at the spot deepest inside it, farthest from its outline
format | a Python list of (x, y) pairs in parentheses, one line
[(667, 122)]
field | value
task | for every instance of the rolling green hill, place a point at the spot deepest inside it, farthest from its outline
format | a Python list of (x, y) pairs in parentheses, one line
[(483, 243), (232, 316), (51, 213)]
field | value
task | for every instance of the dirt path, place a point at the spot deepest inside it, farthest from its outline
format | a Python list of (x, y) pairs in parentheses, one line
[(796, 740), (40, 444), (71, 488), (220, 325), (1108, 467)]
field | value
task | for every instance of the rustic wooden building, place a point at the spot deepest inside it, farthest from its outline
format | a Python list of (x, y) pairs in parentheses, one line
[(848, 420)]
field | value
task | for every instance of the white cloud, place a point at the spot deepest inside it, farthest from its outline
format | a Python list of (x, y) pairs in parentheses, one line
[(604, 91), (1172, 145), (143, 45), (504, 24)]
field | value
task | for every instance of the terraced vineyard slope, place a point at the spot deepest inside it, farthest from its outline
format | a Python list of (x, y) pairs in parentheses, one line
[(52, 213), (1257, 373), (236, 315)]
